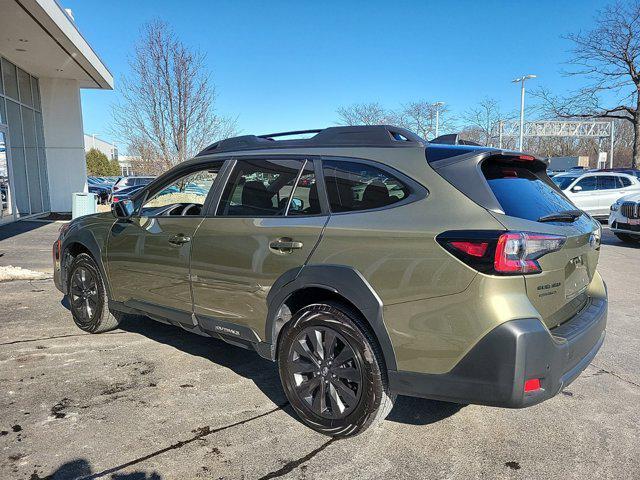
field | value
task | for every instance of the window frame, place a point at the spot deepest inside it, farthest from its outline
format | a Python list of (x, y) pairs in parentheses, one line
[(417, 191), (303, 159), (171, 176)]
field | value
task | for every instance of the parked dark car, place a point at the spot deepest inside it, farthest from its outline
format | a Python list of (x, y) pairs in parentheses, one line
[(102, 190)]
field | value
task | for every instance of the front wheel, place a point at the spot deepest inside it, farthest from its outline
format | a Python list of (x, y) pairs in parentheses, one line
[(88, 298), (332, 371)]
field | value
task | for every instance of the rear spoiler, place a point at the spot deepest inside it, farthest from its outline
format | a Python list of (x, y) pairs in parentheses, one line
[(453, 139)]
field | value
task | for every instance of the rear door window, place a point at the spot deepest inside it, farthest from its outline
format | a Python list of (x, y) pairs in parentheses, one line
[(353, 186), (522, 194), (607, 182)]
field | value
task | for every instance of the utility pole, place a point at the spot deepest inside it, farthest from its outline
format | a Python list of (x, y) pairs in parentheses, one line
[(521, 80), (438, 105), (611, 146)]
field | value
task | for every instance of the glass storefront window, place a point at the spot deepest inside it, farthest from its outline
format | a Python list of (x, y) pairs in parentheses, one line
[(24, 87), (20, 106), (10, 79)]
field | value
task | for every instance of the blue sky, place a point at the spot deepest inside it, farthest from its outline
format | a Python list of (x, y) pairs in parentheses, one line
[(286, 65)]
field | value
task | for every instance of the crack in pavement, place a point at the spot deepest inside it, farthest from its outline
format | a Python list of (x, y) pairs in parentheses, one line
[(603, 370), (290, 466), (58, 336), (202, 432)]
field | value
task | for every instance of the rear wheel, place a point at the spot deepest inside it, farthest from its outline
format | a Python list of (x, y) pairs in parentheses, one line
[(627, 238), (88, 297), (331, 369)]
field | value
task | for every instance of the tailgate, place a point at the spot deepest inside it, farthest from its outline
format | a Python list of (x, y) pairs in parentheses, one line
[(559, 291), (517, 191)]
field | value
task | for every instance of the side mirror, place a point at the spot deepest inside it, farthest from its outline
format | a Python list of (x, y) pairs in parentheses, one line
[(123, 209), (296, 204), (577, 188)]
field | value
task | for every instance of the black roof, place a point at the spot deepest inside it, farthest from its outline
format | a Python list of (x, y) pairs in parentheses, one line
[(354, 136)]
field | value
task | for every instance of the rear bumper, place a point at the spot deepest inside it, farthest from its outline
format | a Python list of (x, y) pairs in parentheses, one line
[(495, 370)]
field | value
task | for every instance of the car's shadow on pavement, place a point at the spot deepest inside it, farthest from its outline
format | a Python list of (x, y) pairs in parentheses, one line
[(250, 365), (80, 468), (264, 374)]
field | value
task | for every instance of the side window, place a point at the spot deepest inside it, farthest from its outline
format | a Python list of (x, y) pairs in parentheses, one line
[(355, 186), (587, 184), (305, 197), (259, 188), (607, 182), (182, 197), (624, 181)]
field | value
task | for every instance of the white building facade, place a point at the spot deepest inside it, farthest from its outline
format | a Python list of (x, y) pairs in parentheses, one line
[(44, 62)]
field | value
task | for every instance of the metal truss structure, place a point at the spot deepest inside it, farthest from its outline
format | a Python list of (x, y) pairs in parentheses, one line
[(597, 129)]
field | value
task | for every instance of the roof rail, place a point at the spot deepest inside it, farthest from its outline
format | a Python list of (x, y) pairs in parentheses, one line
[(353, 136)]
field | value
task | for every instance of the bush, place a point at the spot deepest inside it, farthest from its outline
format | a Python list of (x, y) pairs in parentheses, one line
[(100, 166)]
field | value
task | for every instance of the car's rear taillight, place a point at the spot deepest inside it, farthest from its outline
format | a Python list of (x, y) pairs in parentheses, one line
[(475, 249), (115, 199), (517, 252), (499, 252)]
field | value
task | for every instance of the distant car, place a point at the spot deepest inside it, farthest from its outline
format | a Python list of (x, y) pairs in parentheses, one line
[(125, 193), (595, 192), (101, 192), (101, 189), (624, 219), (125, 182)]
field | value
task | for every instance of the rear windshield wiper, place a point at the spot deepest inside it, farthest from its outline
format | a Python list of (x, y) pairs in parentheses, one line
[(564, 216)]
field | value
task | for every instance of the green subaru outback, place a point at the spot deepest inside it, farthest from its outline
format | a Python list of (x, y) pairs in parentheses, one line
[(365, 261)]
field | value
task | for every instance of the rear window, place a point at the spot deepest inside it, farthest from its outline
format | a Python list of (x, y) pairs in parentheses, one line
[(522, 194)]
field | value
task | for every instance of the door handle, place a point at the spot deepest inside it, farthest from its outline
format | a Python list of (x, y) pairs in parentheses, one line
[(179, 239), (285, 245)]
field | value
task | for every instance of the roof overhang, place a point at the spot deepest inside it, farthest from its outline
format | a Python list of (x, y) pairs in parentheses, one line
[(42, 39)]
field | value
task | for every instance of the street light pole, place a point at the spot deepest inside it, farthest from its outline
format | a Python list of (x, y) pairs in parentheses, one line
[(521, 80), (438, 105)]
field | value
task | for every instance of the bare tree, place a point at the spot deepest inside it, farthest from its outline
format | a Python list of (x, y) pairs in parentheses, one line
[(420, 117), (365, 114), (166, 111), (606, 57), (483, 121)]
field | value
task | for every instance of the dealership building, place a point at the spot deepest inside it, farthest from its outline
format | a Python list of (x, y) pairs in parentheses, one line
[(44, 62)]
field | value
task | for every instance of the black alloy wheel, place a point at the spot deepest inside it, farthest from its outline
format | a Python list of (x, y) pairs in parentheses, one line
[(332, 370), (83, 294), (326, 372)]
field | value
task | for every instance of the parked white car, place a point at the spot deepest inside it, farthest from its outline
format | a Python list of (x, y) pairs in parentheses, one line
[(624, 219), (595, 192)]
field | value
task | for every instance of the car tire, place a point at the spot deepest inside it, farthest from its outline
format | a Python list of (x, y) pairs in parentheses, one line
[(88, 299), (337, 399), (627, 238)]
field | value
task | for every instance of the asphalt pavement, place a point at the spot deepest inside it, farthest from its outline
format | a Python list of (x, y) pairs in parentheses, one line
[(150, 401)]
